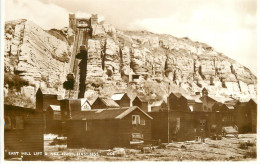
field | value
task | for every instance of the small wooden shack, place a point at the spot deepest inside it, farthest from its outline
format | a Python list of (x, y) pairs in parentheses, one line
[(71, 107), (246, 116), (157, 106), (44, 100), (173, 125), (179, 102), (108, 128), (104, 103), (53, 120), (23, 131), (224, 114), (121, 99), (173, 101), (194, 103), (141, 102)]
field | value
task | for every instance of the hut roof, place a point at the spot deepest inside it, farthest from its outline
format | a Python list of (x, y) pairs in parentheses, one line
[(55, 107), (118, 96), (177, 94), (157, 103), (100, 114), (108, 102), (142, 98)]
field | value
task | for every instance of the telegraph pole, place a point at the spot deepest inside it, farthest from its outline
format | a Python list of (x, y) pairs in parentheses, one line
[(168, 112)]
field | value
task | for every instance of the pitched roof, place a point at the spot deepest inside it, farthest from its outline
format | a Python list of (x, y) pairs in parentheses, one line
[(218, 104), (129, 110), (117, 96), (108, 102), (231, 102), (195, 98), (142, 98), (229, 106), (157, 103), (55, 107), (254, 100), (100, 114), (44, 92), (19, 108), (84, 101), (177, 94)]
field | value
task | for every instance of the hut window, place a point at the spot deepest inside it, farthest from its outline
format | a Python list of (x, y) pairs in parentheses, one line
[(135, 119), (135, 77), (178, 123), (8, 124), (19, 122), (86, 126), (137, 136), (191, 108), (202, 122), (56, 115), (142, 121), (205, 108)]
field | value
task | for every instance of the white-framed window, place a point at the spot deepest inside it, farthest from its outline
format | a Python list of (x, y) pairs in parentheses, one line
[(135, 119), (142, 121)]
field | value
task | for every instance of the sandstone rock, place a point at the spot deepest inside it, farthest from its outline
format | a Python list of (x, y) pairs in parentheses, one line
[(95, 55), (116, 55)]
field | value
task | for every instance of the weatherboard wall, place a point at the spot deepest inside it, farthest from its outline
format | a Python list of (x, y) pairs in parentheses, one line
[(28, 139), (106, 133)]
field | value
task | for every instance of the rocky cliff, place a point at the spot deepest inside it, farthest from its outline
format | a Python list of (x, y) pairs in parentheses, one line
[(38, 56), (133, 61)]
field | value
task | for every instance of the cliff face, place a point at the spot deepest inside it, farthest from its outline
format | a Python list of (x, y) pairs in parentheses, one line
[(163, 58), (125, 60), (38, 56)]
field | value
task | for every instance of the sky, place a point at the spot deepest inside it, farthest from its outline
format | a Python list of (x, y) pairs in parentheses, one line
[(229, 26)]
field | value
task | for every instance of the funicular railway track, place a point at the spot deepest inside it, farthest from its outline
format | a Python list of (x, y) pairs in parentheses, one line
[(79, 40)]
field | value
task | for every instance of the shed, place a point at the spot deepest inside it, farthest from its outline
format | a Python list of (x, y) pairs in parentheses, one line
[(246, 116), (141, 102), (104, 103), (209, 100), (44, 100), (53, 120), (173, 125), (173, 101), (122, 99), (158, 106), (108, 128), (194, 103), (223, 114), (23, 130)]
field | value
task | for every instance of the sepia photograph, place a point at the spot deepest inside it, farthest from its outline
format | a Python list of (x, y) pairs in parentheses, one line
[(129, 80)]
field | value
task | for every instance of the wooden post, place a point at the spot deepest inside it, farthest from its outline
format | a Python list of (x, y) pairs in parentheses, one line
[(168, 112)]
